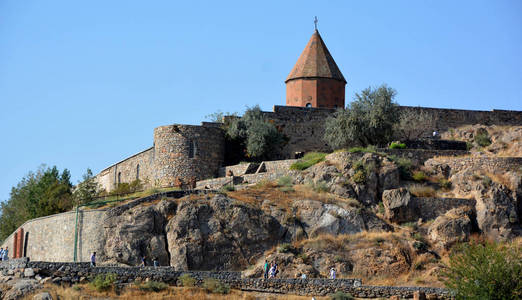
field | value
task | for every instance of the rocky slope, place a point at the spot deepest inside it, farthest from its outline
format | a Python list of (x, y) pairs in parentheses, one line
[(357, 212)]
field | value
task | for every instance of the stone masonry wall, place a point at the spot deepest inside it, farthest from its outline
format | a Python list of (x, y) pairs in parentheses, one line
[(127, 171), (80, 272), (185, 154), (483, 163), (51, 238), (305, 126)]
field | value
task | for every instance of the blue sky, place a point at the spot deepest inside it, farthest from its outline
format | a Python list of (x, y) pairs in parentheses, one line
[(83, 84)]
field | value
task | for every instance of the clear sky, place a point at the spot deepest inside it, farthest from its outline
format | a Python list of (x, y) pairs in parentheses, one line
[(83, 83)]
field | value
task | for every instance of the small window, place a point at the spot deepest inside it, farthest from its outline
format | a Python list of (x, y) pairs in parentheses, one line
[(309, 105), (138, 172), (192, 148), (119, 177)]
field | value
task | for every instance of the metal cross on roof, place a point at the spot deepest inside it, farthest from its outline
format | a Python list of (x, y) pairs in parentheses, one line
[(315, 22)]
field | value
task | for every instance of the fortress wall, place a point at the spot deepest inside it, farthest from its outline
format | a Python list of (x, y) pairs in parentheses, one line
[(305, 126), (51, 238), (186, 153), (127, 171)]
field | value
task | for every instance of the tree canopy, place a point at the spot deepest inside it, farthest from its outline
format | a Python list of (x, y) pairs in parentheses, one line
[(368, 120), (259, 137), (40, 193)]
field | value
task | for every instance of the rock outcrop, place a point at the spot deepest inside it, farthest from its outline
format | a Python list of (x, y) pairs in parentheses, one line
[(454, 226), (219, 234)]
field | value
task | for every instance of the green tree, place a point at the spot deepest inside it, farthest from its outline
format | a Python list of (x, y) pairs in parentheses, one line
[(38, 194), (369, 120), (259, 137), (87, 189), (485, 271)]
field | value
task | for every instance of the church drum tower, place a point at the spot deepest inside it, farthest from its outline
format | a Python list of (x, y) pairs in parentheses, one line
[(315, 80)]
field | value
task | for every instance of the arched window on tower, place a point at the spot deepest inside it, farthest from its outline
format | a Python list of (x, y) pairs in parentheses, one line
[(193, 149), (138, 172), (309, 105)]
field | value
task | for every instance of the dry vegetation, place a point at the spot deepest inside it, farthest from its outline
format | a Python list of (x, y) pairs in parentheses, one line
[(83, 291)]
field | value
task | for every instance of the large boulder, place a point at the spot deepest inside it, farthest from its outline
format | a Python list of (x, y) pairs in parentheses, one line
[(454, 226), (219, 234), (321, 218), (497, 214), (397, 205)]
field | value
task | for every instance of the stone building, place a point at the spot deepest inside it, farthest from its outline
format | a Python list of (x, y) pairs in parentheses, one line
[(315, 80), (184, 154)]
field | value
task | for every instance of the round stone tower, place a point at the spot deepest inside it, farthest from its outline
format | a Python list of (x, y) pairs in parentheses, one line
[(315, 80), (184, 154)]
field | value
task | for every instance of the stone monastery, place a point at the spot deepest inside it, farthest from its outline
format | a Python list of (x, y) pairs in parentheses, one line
[(181, 155)]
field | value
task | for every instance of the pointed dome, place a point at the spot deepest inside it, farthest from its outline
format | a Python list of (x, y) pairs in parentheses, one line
[(316, 62)]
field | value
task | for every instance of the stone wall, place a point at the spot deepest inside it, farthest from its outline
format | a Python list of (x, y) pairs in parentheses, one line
[(480, 163), (239, 169), (419, 156), (430, 208), (185, 154), (305, 126), (51, 238), (139, 166), (80, 272)]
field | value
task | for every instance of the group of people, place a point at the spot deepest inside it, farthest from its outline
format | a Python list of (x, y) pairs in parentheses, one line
[(4, 253), (155, 261), (270, 269)]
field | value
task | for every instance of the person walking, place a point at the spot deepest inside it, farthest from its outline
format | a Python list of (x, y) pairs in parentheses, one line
[(266, 269), (93, 259), (1, 253), (5, 254), (271, 273), (155, 262), (143, 264), (332, 273)]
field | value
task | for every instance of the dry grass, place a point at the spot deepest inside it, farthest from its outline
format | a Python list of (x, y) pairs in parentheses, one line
[(284, 199), (422, 190), (175, 293)]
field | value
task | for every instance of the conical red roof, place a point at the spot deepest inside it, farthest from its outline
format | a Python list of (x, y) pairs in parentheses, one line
[(316, 61)]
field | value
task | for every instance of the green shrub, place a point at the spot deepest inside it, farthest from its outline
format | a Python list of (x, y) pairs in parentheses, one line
[(320, 187), (359, 177), (212, 285), (396, 145), (153, 286), (367, 149), (103, 282), (187, 280), (341, 296), (308, 160), (285, 248), (419, 176), (482, 139), (469, 146), (404, 165), (444, 184), (484, 271), (285, 181), (381, 208), (228, 188)]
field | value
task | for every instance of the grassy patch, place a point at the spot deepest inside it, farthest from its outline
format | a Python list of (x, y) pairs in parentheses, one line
[(152, 286), (215, 286), (103, 282), (396, 145), (444, 184), (308, 160), (419, 176), (187, 280), (422, 191), (482, 139)]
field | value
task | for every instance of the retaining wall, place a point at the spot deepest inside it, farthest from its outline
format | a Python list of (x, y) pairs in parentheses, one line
[(76, 272), (480, 163), (51, 238)]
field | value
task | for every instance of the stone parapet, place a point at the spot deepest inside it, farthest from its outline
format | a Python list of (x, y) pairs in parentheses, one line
[(477, 163)]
